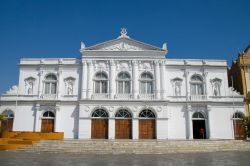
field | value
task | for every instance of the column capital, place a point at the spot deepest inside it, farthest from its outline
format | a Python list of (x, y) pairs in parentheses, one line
[(37, 106), (134, 62), (189, 107), (112, 63), (40, 73), (90, 63), (162, 62), (84, 62), (156, 62), (209, 107)]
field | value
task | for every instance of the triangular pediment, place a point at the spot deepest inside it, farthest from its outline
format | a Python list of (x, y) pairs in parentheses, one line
[(123, 44)]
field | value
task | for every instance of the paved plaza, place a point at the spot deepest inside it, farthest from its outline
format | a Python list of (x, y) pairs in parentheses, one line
[(199, 159)]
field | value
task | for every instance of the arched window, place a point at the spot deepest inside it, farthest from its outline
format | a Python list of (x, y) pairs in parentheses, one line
[(50, 84), (123, 83), (146, 114), (146, 83), (123, 114), (8, 114), (198, 115), (48, 115), (238, 115), (100, 113), (101, 83), (197, 85), (7, 124)]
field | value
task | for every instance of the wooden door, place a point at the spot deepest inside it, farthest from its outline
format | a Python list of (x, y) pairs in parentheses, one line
[(239, 130), (47, 125), (8, 124), (99, 129), (147, 129), (123, 128)]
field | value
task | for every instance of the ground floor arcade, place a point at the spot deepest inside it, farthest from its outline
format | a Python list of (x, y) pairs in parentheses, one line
[(137, 121)]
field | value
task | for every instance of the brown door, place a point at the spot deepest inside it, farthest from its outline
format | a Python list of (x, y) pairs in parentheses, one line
[(7, 124), (239, 130), (47, 125), (147, 129), (123, 128), (99, 129)]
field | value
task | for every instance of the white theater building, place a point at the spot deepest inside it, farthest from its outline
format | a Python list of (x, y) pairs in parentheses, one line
[(124, 89)]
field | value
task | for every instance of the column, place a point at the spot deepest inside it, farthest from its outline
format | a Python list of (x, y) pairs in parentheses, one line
[(112, 87), (90, 80), (157, 80), (57, 122), (111, 131), (208, 125), (189, 125), (84, 79), (135, 128), (135, 81), (163, 82), (36, 118)]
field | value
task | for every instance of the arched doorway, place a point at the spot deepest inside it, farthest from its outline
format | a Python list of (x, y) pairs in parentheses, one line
[(7, 124), (147, 125), (239, 130), (123, 124), (99, 125), (48, 122), (199, 126)]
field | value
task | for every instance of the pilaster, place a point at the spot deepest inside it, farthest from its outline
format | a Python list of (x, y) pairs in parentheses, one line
[(135, 87), (157, 80), (90, 80), (112, 87), (36, 118), (57, 115), (40, 86), (84, 79), (163, 82)]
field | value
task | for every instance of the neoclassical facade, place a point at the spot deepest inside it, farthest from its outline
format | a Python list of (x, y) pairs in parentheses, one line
[(124, 89)]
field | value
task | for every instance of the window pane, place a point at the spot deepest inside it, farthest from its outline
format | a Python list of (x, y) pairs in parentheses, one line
[(149, 87), (104, 87), (127, 87), (200, 90), (120, 87), (193, 87), (143, 87), (97, 87), (53, 88), (47, 87)]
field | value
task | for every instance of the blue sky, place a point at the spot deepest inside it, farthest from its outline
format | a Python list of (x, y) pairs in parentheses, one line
[(203, 29)]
